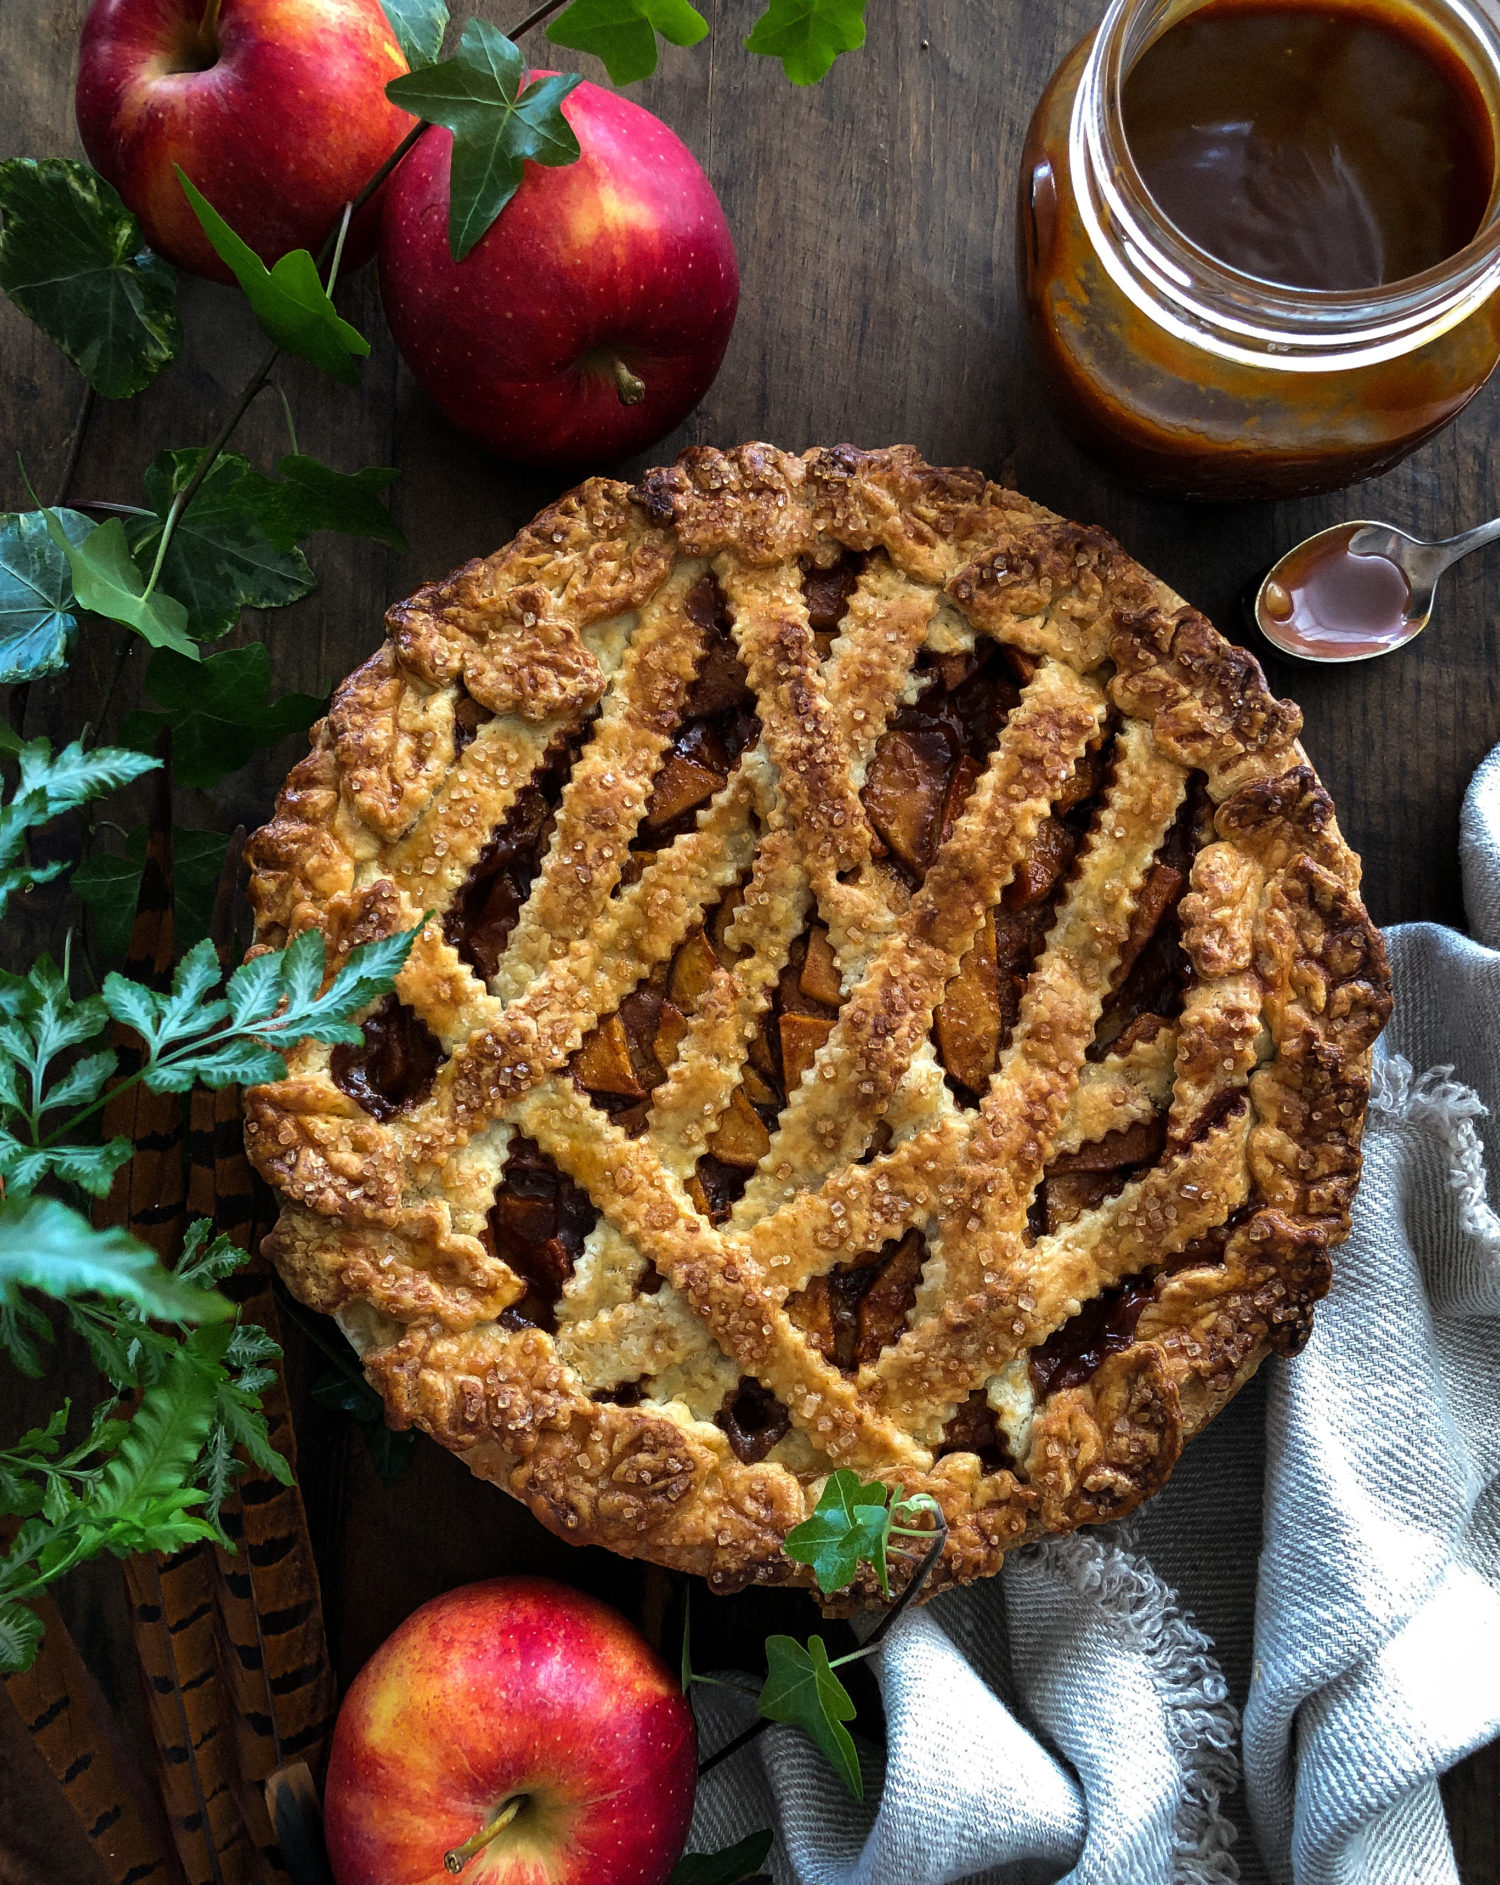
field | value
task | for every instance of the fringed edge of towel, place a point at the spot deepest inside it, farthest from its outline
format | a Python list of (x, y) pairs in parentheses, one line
[(1444, 1107), (1202, 1722)]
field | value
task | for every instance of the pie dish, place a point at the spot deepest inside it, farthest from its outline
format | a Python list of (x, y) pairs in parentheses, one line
[(893, 994)]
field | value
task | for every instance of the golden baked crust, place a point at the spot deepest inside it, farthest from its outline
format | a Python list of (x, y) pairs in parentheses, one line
[(1019, 1289)]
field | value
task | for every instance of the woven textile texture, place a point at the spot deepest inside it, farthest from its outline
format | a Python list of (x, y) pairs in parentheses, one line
[(1260, 1675)]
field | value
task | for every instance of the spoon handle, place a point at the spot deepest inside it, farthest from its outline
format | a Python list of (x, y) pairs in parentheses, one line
[(1449, 550)]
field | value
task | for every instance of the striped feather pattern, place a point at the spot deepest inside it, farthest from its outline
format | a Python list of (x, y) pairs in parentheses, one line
[(231, 1646), (62, 1709)]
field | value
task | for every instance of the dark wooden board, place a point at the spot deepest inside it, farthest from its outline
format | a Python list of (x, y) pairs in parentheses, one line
[(873, 217)]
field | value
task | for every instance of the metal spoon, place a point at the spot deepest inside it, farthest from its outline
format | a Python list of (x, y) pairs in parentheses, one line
[(1372, 583)]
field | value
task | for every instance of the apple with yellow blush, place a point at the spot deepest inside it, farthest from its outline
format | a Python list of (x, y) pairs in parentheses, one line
[(516, 1732)]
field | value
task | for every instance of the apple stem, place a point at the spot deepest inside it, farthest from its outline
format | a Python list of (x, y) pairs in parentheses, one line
[(459, 1857), (631, 389)]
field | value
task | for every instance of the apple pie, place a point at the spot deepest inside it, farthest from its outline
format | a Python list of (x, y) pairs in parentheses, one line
[(891, 993)]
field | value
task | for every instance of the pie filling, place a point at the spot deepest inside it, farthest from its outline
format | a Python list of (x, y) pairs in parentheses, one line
[(920, 773), (395, 1065), (753, 1420), (860, 1307), (538, 1223), (1103, 1327)]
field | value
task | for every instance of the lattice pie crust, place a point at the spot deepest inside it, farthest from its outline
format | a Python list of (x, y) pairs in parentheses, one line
[(896, 996)]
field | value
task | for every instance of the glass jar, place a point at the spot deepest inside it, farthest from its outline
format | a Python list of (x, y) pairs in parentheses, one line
[(1187, 376)]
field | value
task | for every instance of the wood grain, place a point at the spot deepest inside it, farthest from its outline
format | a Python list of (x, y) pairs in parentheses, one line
[(874, 224)]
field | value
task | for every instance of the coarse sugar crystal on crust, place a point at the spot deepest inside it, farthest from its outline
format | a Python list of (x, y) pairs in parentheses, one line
[(895, 996)]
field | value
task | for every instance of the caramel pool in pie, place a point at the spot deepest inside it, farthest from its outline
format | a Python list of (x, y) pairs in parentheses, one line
[(896, 996)]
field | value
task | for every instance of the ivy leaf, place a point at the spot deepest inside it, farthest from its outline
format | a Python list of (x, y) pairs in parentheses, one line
[(73, 259), (808, 35), (37, 618), (48, 787), (419, 26), (221, 558), (851, 1522), (220, 712), (727, 1867), (311, 497), (288, 300), (496, 125), (106, 580), (389, 1451), (802, 1688), (623, 32), (47, 1247), (110, 886)]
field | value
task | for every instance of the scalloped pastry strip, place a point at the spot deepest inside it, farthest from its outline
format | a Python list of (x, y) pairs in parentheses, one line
[(888, 1013), (603, 801), (1021, 1115)]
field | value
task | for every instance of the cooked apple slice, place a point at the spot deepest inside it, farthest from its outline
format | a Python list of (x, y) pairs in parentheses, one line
[(741, 1139), (810, 1311), (721, 682), (603, 1065), (1159, 893), (819, 979), (1086, 778), (956, 668), (1071, 1194), (680, 785), (965, 773), (520, 1224), (761, 1052), (903, 790), (692, 971), (885, 1304), (1050, 855), (801, 1037), (969, 1020), (723, 916), (671, 1027), (1022, 666), (757, 1090)]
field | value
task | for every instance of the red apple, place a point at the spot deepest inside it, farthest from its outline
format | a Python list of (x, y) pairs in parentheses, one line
[(275, 108), (616, 269), (516, 1703)]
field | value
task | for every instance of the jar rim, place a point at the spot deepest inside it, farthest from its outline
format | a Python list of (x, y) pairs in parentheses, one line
[(1241, 315)]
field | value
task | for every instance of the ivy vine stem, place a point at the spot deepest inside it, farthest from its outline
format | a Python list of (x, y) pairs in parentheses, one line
[(209, 459), (329, 257), (938, 1538), (535, 18)]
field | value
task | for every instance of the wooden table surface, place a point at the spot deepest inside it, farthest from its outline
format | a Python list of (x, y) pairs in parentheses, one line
[(874, 224)]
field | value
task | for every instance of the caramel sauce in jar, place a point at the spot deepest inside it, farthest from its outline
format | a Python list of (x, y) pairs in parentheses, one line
[(1260, 239)]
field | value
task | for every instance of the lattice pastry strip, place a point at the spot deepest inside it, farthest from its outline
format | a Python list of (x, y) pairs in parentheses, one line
[(891, 1009), (886, 621), (896, 995)]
